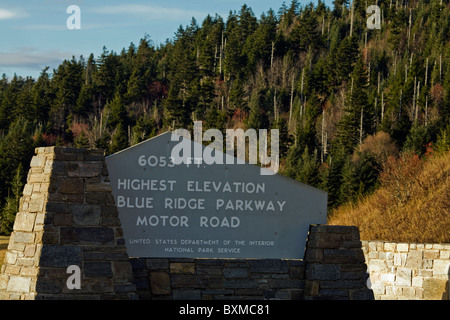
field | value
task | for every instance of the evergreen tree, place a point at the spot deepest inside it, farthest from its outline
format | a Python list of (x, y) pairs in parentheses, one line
[(43, 97), (332, 178), (82, 141), (349, 182), (367, 174), (255, 117), (307, 34), (306, 127), (3, 84), (103, 142), (346, 56), (184, 80), (177, 115), (66, 84), (445, 109), (8, 212), (9, 100), (205, 97), (209, 46), (23, 107), (84, 102), (284, 139), (144, 70), (259, 44), (397, 28), (339, 6), (358, 118), (291, 163), (215, 119), (16, 149), (107, 78), (238, 29), (237, 94), (308, 171), (443, 140), (119, 140), (144, 129), (118, 112), (418, 138), (233, 61)]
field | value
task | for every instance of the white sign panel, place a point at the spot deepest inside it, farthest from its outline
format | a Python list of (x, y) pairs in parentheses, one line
[(198, 210)]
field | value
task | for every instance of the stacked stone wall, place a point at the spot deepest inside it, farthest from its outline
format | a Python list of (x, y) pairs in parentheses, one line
[(335, 264), (408, 271), (333, 268), (219, 279)]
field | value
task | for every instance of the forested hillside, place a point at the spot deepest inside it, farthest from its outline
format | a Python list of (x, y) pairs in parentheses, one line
[(343, 96)]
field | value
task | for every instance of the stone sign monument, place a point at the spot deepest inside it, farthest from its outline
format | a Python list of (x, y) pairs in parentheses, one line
[(199, 210), (67, 228), (70, 239)]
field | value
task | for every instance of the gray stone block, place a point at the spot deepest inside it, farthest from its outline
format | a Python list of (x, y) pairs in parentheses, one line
[(363, 294), (342, 256), (269, 266), (86, 235), (137, 263), (86, 215), (333, 293), (59, 256), (323, 272), (240, 284), (157, 264), (187, 294), (97, 269), (235, 273), (49, 286), (104, 256), (121, 288), (141, 283)]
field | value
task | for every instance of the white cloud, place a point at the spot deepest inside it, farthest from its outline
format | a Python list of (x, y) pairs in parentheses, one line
[(149, 11), (12, 14), (6, 14), (32, 58), (42, 27)]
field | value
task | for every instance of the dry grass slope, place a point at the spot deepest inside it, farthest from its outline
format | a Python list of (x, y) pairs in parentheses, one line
[(413, 204)]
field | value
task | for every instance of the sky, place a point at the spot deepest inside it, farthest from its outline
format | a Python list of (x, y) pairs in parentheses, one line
[(35, 34)]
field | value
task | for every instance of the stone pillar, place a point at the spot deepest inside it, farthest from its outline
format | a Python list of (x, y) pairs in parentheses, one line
[(335, 264), (67, 216)]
